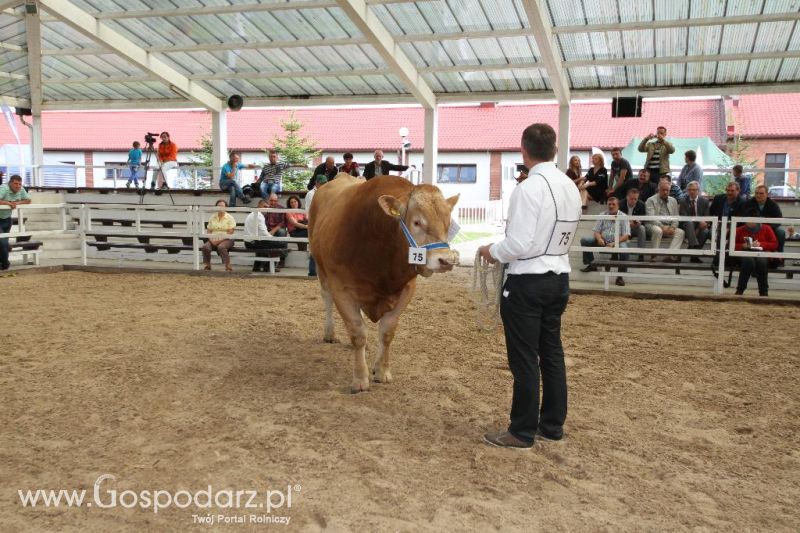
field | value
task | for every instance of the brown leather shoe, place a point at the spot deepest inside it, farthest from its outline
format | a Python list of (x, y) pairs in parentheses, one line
[(620, 281), (504, 439)]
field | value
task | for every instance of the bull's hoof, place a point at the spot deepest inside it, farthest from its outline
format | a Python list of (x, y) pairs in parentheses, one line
[(330, 340), (359, 385), (381, 376)]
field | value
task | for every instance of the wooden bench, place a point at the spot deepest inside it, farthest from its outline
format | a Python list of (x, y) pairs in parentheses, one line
[(25, 247)]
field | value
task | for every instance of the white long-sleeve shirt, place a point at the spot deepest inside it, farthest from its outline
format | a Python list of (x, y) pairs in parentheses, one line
[(542, 216), (255, 225)]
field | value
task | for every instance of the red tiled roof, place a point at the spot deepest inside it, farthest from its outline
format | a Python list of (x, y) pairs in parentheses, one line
[(768, 115), (468, 128)]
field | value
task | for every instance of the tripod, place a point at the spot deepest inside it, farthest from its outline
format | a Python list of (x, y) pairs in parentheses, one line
[(148, 156)]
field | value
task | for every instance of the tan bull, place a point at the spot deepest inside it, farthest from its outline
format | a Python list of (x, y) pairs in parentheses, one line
[(362, 256)]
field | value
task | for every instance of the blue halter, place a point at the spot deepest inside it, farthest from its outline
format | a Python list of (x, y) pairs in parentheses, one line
[(413, 243)]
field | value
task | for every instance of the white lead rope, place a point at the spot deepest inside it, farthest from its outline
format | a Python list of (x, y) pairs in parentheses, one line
[(486, 297)]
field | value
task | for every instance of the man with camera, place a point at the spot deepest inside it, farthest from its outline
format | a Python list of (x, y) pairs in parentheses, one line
[(657, 148)]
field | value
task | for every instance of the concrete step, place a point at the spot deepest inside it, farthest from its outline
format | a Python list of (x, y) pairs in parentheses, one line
[(60, 254), (37, 225), (61, 244)]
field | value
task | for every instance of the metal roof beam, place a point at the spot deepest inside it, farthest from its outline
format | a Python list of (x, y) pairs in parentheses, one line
[(678, 23), (666, 60), (539, 19), (33, 35), (15, 102), (384, 43), (13, 76), (102, 33), (12, 47)]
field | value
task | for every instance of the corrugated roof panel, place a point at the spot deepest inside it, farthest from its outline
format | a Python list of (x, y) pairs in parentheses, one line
[(638, 43), (562, 12), (705, 40), (305, 58), (12, 30), (731, 71), (670, 75), (606, 45), (433, 54), (186, 63), (504, 80), (700, 73), (611, 77), (151, 32), (601, 11), (670, 42), (532, 80), (401, 18), (477, 81), (414, 56), (641, 75), (672, 10), (438, 16), (518, 49), (63, 36), (763, 70), (356, 85), (583, 77), (14, 62), (471, 16), (575, 46), (461, 52), (84, 66), (381, 84), (738, 38), (502, 14), (773, 36), (790, 70), (451, 82), (743, 7), (245, 61), (14, 88)]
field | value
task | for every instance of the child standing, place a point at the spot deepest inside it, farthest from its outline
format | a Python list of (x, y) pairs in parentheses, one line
[(134, 161)]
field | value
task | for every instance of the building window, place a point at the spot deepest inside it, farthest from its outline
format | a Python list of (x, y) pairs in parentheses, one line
[(457, 174), (775, 161)]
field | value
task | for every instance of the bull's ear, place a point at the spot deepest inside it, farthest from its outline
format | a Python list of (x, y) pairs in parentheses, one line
[(452, 201), (391, 205)]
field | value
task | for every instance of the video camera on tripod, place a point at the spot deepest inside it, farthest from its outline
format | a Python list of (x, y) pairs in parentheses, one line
[(150, 138)]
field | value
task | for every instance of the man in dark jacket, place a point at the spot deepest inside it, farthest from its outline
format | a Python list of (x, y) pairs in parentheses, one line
[(694, 205), (327, 169), (767, 208), (632, 206), (379, 167), (728, 204)]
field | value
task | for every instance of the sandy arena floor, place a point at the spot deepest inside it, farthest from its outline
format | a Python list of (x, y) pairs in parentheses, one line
[(680, 417)]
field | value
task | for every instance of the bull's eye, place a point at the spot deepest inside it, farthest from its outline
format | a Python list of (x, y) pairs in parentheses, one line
[(416, 223)]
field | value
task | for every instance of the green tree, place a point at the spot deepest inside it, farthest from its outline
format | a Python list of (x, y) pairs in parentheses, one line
[(738, 149), (297, 151), (203, 158)]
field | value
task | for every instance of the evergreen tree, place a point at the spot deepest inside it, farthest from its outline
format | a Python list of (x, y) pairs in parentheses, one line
[(203, 158), (297, 151)]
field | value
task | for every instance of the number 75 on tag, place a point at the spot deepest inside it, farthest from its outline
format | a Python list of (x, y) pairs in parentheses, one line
[(417, 256)]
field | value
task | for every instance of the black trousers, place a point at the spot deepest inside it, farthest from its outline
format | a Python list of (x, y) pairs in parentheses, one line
[(531, 310), (758, 265)]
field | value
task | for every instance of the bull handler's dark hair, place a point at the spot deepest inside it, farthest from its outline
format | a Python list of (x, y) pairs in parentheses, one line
[(539, 142)]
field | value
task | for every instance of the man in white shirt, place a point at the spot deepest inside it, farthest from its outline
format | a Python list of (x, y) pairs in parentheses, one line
[(543, 216), (256, 226)]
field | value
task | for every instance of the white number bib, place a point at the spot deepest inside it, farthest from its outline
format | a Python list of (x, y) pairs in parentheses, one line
[(562, 237), (417, 256)]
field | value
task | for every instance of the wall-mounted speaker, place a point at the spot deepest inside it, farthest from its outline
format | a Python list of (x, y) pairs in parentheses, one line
[(235, 102), (23, 111), (627, 106)]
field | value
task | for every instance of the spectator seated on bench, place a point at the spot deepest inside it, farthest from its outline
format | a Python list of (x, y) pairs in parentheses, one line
[(694, 205), (662, 204), (604, 236), (11, 195), (255, 226), (632, 206), (276, 226), (220, 224), (766, 208), (297, 223), (753, 236)]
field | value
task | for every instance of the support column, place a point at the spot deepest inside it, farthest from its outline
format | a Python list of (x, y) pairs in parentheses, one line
[(431, 153), (219, 142), (563, 137), (33, 31)]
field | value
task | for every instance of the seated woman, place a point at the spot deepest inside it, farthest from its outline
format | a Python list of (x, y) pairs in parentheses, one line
[(596, 180), (297, 222), (220, 224), (755, 237), (574, 172)]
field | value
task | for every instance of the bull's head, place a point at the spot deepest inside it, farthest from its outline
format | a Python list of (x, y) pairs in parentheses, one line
[(426, 213)]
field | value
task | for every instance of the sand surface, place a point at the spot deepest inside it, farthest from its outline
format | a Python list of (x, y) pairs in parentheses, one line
[(682, 416)]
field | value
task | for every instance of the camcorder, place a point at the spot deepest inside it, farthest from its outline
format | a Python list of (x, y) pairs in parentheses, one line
[(150, 138), (522, 168)]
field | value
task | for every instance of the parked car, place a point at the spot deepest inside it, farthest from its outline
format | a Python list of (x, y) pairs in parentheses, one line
[(784, 191)]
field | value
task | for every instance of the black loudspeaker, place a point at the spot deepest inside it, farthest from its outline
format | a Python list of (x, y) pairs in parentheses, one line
[(235, 102), (23, 111), (628, 106)]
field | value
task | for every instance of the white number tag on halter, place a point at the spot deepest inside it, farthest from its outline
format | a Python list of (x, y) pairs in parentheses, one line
[(417, 256), (562, 237)]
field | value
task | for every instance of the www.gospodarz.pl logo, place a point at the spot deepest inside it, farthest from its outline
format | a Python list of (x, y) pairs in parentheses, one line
[(105, 497)]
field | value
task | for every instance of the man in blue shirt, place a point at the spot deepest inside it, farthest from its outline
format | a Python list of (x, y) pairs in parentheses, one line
[(605, 234), (134, 161), (11, 196), (228, 179)]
